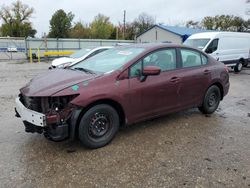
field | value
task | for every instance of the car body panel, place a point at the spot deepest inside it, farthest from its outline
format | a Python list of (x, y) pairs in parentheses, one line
[(53, 81)]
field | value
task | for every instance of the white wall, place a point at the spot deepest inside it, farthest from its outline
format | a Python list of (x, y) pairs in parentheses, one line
[(157, 34)]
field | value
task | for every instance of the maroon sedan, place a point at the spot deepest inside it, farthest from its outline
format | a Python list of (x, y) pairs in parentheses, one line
[(124, 85)]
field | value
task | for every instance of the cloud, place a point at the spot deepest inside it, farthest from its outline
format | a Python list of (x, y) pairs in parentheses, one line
[(165, 11)]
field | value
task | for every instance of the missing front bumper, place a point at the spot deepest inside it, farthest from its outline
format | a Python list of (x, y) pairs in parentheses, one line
[(35, 122), (30, 116)]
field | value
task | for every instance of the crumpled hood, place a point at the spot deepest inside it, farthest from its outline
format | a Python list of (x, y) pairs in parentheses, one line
[(54, 81), (62, 60)]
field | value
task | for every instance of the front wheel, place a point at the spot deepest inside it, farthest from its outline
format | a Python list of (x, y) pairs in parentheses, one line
[(211, 100), (98, 126)]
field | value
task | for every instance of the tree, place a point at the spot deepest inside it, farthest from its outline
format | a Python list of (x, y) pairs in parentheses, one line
[(80, 30), (142, 23), (239, 24), (208, 23), (224, 23), (130, 30), (101, 27), (16, 20), (60, 24)]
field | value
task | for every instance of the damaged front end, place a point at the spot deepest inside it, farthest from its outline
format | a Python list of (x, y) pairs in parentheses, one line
[(47, 115)]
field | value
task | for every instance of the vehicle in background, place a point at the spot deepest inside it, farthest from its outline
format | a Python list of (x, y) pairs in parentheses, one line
[(11, 49), (80, 55), (123, 85), (231, 48), (122, 44)]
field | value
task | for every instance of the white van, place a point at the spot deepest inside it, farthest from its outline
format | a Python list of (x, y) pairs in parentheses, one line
[(231, 48)]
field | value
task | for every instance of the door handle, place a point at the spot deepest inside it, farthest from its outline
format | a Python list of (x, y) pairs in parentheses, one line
[(175, 79), (206, 72)]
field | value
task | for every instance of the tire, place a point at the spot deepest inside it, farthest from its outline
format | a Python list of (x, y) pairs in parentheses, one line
[(98, 126), (211, 100), (238, 67)]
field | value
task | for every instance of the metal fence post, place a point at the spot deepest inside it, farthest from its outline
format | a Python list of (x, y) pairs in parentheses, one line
[(38, 55), (31, 61), (57, 45), (26, 47)]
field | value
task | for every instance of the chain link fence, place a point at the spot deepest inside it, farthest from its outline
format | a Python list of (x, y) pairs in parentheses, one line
[(12, 48), (21, 48)]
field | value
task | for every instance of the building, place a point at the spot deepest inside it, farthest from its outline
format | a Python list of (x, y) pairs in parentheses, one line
[(167, 34)]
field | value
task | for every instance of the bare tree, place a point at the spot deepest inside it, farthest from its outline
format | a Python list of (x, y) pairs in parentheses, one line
[(16, 20)]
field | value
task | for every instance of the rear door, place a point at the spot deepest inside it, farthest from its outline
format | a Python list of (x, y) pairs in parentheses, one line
[(195, 77)]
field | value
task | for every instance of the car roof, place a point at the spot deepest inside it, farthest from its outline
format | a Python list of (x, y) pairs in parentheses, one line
[(211, 35), (149, 46), (102, 47)]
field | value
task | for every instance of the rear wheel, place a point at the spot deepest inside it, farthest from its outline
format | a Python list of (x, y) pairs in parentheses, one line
[(98, 126), (238, 67), (211, 100)]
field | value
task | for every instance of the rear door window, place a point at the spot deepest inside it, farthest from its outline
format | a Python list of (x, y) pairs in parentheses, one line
[(190, 58)]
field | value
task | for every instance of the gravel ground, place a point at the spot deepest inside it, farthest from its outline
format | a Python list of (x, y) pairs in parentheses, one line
[(185, 149)]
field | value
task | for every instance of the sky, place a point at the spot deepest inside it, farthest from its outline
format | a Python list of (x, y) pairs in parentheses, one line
[(171, 12)]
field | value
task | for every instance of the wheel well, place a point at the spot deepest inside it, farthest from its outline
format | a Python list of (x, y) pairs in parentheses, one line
[(112, 103), (242, 60), (220, 87)]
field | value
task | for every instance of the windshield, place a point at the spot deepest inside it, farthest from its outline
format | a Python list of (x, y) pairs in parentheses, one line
[(197, 43), (109, 60), (81, 53)]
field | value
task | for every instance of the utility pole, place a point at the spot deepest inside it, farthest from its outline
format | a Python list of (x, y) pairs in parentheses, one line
[(124, 23)]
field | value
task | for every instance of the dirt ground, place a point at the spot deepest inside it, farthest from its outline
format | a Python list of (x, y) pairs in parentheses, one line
[(185, 149)]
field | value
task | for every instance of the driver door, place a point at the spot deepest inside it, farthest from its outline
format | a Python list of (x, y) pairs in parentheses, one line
[(155, 95)]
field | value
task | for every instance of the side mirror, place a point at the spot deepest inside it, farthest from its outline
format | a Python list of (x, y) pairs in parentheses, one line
[(151, 71)]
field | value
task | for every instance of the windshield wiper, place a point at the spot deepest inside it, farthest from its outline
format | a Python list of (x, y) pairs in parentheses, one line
[(84, 70)]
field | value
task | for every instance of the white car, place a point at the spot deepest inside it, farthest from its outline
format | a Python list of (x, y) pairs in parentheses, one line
[(80, 55)]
